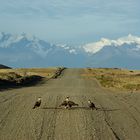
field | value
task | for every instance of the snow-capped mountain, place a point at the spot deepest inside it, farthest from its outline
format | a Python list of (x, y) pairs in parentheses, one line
[(29, 51), (123, 52), (23, 42), (25, 51), (97, 46)]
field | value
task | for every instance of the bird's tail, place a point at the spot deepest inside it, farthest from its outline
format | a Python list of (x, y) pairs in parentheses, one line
[(94, 108), (33, 107), (76, 105)]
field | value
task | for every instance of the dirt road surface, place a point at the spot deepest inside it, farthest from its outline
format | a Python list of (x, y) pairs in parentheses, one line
[(117, 117)]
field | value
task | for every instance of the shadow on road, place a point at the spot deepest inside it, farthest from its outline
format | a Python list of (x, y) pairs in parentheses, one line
[(106, 109), (51, 108), (85, 108), (25, 82)]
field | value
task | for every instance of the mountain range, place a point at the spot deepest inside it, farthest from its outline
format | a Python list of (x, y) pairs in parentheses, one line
[(29, 51)]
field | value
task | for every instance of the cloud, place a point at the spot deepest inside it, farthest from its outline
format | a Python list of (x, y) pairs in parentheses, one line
[(61, 8), (97, 46), (70, 20)]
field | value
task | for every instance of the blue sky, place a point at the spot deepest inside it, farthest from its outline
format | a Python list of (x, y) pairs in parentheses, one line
[(71, 21)]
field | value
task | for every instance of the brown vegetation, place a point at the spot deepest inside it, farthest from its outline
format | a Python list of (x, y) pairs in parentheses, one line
[(24, 77), (115, 78)]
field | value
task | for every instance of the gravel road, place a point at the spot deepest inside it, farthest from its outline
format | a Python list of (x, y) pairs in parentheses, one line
[(117, 116)]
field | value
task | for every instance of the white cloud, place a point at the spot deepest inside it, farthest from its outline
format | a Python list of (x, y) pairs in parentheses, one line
[(63, 21)]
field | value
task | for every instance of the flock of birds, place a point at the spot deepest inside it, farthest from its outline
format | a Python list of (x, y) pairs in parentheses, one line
[(67, 103)]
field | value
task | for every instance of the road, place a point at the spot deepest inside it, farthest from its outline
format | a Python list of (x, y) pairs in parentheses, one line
[(117, 117)]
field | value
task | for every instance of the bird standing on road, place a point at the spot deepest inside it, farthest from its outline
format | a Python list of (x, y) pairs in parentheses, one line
[(91, 105), (37, 103), (67, 103)]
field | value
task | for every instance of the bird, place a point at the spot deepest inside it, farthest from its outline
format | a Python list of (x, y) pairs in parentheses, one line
[(91, 105), (67, 103), (37, 103)]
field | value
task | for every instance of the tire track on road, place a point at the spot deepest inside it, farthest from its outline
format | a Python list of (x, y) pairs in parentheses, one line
[(49, 121), (106, 120)]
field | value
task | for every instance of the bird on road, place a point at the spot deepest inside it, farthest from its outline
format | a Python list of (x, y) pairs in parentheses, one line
[(91, 105), (37, 103), (67, 103)]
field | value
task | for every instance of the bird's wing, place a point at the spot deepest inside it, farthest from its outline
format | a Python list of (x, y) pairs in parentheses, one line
[(71, 103), (36, 103), (64, 103), (92, 105)]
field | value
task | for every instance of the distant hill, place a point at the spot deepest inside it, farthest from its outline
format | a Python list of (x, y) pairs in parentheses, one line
[(4, 67)]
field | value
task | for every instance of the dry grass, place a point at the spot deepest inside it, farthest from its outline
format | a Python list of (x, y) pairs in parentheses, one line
[(25, 77), (115, 78), (44, 72)]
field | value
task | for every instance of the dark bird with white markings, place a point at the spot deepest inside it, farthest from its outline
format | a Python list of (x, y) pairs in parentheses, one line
[(67, 103), (37, 103), (91, 105)]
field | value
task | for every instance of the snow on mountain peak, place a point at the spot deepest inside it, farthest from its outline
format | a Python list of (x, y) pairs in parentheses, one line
[(97, 46), (43, 48)]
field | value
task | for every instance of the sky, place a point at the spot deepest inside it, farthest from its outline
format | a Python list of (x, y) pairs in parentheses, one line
[(71, 21)]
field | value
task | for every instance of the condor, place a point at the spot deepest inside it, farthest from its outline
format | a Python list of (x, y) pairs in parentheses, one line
[(67, 103), (37, 103)]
